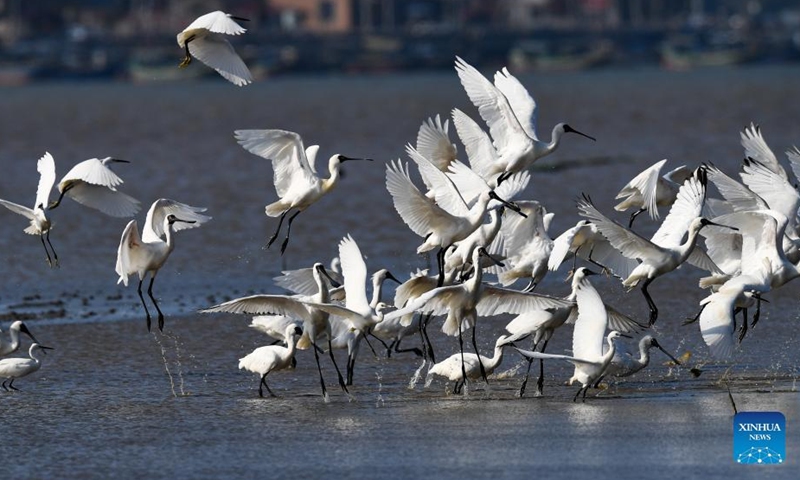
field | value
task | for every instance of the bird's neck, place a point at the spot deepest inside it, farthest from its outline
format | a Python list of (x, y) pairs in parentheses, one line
[(494, 362), (330, 182), (290, 345), (688, 246), (644, 354), (377, 287)]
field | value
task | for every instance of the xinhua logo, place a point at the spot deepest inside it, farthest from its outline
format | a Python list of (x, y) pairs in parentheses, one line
[(759, 438)]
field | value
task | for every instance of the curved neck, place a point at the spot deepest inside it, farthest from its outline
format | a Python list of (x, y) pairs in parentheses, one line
[(495, 360), (644, 353), (323, 294), (33, 353), (330, 182), (686, 249), (169, 234), (377, 287), (13, 333), (290, 345)]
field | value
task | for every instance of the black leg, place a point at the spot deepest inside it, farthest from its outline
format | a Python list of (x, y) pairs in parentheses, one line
[(696, 317), (475, 346), (757, 316), (387, 347), (585, 389), (319, 368), (531, 287), (55, 255), (150, 293), (187, 59), (277, 230), (425, 321), (4, 385), (261, 386), (525, 380), (391, 347), (599, 379), (366, 339), (575, 398), (634, 215), (146, 311), (440, 266), (461, 349), (264, 381), (650, 302), (338, 372), (11, 385), (743, 329), (351, 363), (416, 350), (288, 232), (49, 260), (540, 381)]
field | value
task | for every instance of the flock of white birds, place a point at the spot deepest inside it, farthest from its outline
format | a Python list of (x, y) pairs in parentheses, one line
[(468, 214)]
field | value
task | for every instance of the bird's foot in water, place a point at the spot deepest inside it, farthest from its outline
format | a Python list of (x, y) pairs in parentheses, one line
[(160, 322)]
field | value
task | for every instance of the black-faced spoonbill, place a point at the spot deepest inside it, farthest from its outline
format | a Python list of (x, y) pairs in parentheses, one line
[(271, 358), (92, 183), (40, 224), (511, 113), (147, 253), (295, 177), (472, 367), (204, 39), (14, 368), (649, 190), (12, 344)]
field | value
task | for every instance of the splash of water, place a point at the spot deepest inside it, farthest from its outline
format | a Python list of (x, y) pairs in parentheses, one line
[(379, 377), (166, 363), (178, 363), (412, 384)]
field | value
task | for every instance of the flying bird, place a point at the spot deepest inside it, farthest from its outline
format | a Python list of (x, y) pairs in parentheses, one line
[(204, 39)]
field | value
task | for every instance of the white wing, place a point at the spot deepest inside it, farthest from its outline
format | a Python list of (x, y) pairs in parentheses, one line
[(217, 22), (644, 184), (433, 143), (629, 243), (470, 184), (111, 202), (495, 300), (756, 148), (129, 241), (418, 212), (481, 153), (573, 360), (522, 103), (775, 189), (288, 156), (264, 305), (493, 106), (590, 327), (621, 322), (92, 171), (301, 280), (217, 52), (737, 195), (154, 224), (46, 167), (445, 191), (18, 209), (519, 231), (688, 206), (794, 160), (354, 271)]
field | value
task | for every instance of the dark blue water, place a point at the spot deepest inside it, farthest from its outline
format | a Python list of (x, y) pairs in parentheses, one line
[(104, 401)]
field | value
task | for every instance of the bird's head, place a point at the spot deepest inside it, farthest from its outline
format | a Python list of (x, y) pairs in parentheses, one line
[(172, 219), (567, 129)]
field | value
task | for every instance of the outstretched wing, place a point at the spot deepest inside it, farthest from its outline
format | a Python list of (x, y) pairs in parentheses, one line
[(481, 153), (92, 171), (496, 300), (590, 327), (445, 191), (47, 177), (522, 103), (217, 52), (433, 143), (264, 305), (217, 22), (688, 206), (756, 148), (629, 243), (354, 271), (287, 153), (154, 224), (644, 184)]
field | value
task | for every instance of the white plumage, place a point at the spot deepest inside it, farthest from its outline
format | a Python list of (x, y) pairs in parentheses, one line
[(271, 358), (14, 368), (204, 39)]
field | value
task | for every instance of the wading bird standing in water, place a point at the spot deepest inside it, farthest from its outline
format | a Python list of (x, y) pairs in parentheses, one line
[(268, 359), (296, 180), (148, 253), (14, 368), (40, 224), (204, 39)]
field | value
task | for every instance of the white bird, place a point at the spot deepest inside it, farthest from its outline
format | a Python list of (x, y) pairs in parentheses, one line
[(271, 358), (451, 367), (433, 143), (626, 363), (542, 324), (92, 183), (295, 177), (12, 344), (147, 253), (205, 40), (14, 368), (665, 251), (511, 113), (527, 246), (40, 224), (588, 358), (438, 226), (463, 303), (316, 322), (585, 241), (649, 190)]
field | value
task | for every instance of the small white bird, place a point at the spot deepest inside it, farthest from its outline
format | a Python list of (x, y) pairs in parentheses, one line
[(205, 40), (12, 344), (92, 183), (511, 113), (40, 224), (14, 368), (148, 253), (649, 190), (585, 241), (271, 358), (451, 367), (527, 246), (295, 177)]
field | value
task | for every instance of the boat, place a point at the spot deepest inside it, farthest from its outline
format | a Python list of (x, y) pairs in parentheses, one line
[(688, 51), (559, 55)]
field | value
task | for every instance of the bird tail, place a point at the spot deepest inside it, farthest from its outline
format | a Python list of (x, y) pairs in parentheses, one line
[(275, 209)]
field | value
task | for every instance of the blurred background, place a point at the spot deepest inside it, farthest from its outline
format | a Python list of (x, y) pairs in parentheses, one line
[(134, 40)]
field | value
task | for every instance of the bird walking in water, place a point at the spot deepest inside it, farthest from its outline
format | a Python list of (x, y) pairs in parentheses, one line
[(271, 358), (40, 224), (14, 368), (147, 253), (451, 367), (295, 177), (12, 345), (204, 39)]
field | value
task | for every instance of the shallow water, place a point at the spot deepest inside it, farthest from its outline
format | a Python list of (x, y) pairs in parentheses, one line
[(104, 400)]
